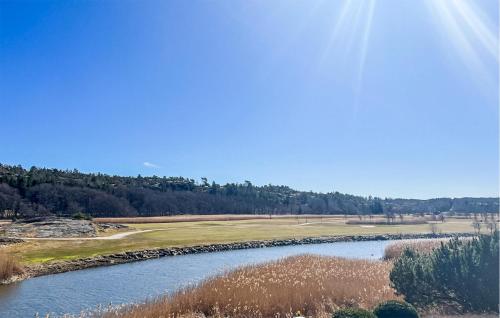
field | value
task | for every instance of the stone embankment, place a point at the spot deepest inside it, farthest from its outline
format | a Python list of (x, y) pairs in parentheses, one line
[(127, 257)]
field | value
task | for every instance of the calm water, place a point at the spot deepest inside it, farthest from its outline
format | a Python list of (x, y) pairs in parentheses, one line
[(73, 292)]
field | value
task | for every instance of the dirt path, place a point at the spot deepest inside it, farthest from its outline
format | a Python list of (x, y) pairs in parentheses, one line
[(111, 237)]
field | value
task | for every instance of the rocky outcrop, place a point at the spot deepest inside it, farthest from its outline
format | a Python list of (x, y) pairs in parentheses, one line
[(50, 227), (9, 241), (55, 227), (110, 226), (133, 256)]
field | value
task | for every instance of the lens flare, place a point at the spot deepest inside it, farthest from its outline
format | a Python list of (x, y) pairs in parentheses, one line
[(470, 31)]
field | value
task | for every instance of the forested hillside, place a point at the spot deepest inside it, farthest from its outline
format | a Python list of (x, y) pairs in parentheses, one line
[(41, 191)]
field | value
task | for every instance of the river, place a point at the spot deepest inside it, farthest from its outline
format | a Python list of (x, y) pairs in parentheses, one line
[(77, 291)]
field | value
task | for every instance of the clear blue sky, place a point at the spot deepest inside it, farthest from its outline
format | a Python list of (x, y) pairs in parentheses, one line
[(373, 97)]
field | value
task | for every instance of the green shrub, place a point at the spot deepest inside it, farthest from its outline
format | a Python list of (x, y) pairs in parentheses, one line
[(81, 216), (462, 273), (395, 309), (353, 313)]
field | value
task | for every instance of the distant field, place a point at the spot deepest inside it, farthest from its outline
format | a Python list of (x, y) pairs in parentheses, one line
[(204, 232), (216, 217)]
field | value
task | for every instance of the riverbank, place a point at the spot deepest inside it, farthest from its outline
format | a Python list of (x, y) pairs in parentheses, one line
[(34, 270)]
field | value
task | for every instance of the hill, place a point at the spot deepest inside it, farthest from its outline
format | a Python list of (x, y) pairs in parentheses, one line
[(42, 191)]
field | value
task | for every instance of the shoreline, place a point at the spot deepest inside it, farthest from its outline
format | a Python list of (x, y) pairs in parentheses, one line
[(57, 267)]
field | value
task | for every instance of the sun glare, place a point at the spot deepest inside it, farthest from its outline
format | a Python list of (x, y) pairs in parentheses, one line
[(470, 31), (467, 29)]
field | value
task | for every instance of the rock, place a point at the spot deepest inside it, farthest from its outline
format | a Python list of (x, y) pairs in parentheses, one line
[(9, 240), (110, 226), (49, 227)]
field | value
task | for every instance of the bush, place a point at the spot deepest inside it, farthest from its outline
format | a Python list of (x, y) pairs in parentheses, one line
[(81, 216), (395, 309), (353, 313), (463, 274)]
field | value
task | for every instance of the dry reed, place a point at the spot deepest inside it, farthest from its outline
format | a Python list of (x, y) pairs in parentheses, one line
[(313, 285), (395, 250), (9, 266)]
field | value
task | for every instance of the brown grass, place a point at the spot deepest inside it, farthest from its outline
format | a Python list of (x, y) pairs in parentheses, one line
[(9, 266), (209, 217), (395, 250), (313, 285), (385, 222)]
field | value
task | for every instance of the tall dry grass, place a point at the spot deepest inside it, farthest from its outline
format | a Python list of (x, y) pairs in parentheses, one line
[(395, 250), (313, 285), (9, 266)]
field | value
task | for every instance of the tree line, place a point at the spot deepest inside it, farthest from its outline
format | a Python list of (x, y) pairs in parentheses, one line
[(42, 191)]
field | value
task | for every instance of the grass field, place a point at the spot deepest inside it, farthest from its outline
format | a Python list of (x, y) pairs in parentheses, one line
[(205, 232)]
